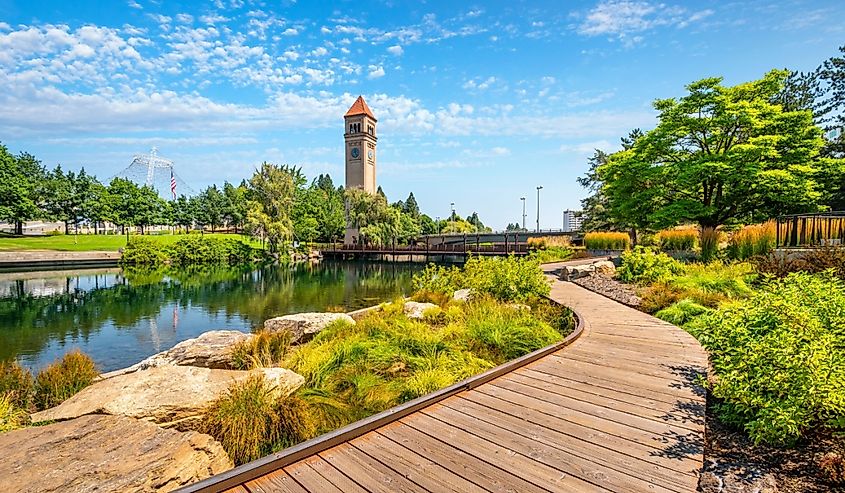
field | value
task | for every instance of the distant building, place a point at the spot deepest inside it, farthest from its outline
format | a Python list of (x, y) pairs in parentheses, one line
[(571, 220)]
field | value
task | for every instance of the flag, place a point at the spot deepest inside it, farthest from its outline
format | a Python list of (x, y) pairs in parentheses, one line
[(172, 184)]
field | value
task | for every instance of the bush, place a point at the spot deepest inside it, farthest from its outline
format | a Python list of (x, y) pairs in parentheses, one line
[(682, 312), (144, 251), (607, 241), (777, 357), (756, 239), (814, 261), (61, 380), (505, 278), (709, 242), (552, 254), (16, 384), (188, 250), (12, 416), (683, 239), (437, 279), (265, 349), (643, 265)]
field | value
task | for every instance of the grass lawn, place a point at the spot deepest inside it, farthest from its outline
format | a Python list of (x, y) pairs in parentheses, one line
[(84, 243)]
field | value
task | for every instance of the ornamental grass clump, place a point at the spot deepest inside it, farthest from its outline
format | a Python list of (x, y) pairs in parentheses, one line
[(709, 241), (552, 254), (12, 416), (682, 312), (678, 239), (607, 240), (16, 384), (753, 240), (61, 380), (777, 357), (265, 349)]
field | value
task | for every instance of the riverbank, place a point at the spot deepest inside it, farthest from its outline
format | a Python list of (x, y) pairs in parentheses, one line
[(43, 259)]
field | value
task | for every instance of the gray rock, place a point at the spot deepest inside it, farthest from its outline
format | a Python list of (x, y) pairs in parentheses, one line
[(572, 272), (415, 309), (303, 326), (605, 268), (462, 295), (211, 349), (106, 453), (167, 395)]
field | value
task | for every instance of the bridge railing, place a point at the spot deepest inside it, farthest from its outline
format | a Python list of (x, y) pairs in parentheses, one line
[(430, 248), (811, 230)]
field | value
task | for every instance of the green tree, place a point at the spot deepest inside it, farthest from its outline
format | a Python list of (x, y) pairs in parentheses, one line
[(235, 209), (212, 205), (183, 212), (718, 155), (832, 102), (271, 196), (411, 207), (21, 186)]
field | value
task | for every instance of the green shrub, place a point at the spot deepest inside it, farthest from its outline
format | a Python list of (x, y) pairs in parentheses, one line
[(16, 384), (437, 279), (643, 265), (61, 380), (777, 357), (684, 239), (709, 242), (505, 278), (508, 333), (729, 280), (265, 349), (12, 416), (607, 240), (144, 251), (682, 312), (192, 250), (552, 254)]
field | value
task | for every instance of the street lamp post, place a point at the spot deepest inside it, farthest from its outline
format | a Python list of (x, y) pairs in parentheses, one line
[(538, 207), (452, 216), (523, 211)]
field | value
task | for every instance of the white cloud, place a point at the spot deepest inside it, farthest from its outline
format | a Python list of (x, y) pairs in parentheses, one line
[(501, 151), (135, 5), (213, 19), (375, 71), (395, 50), (184, 18), (625, 19), (291, 31), (320, 51)]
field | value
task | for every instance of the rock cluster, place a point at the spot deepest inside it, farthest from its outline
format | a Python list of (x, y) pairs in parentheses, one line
[(106, 453), (303, 326), (572, 272), (735, 478), (414, 309)]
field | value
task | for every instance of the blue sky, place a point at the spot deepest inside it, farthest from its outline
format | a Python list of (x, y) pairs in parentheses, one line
[(478, 103)]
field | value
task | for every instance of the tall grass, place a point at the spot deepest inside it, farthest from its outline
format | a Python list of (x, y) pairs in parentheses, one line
[(62, 379), (752, 240), (709, 241), (264, 349), (12, 416), (16, 384), (549, 241), (607, 240), (678, 239)]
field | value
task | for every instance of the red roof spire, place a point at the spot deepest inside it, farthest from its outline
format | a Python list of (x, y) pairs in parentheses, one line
[(359, 107)]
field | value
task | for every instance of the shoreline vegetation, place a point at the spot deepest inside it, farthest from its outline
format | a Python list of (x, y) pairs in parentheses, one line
[(400, 351)]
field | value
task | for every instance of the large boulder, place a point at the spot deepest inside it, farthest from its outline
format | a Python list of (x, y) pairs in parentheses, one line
[(462, 295), (167, 395), (414, 309), (303, 326), (211, 349), (571, 272), (605, 268), (106, 453)]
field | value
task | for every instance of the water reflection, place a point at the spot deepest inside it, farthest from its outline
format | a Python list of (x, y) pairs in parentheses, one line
[(120, 317)]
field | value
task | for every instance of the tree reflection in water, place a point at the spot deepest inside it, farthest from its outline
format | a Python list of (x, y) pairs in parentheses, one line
[(122, 316)]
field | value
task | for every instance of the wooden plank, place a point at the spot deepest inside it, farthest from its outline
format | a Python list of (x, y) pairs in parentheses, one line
[(486, 475), (275, 482), (415, 468), (501, 449), (237, 489), (310, 479), (681, 418), (367, 471), (639, 430), (337, 478)]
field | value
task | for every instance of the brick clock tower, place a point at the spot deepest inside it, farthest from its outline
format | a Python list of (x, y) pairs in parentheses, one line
[(360, 150)]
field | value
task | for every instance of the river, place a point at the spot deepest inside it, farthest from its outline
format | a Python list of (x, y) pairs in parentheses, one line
[(119, 317)]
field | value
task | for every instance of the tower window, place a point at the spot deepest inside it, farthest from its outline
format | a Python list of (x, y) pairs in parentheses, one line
[(370, 130)]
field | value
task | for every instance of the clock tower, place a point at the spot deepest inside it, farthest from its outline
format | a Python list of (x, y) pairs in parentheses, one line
[(360, 146), (359, 138)]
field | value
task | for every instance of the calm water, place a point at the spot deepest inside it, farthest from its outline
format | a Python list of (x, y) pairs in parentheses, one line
[(120, 317)]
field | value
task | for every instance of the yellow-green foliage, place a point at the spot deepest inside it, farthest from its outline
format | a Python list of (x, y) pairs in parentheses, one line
[(11, 416), (709, 241), (678, 239), (62, 379), (708, 285), (250, 422), (265, 349), (16, 384), (756, 239), (607, 240), (553, 254), (682, 312), (505, 278), (549, 242)]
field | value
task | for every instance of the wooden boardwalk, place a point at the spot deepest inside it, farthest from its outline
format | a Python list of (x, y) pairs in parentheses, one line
[(617, 410)]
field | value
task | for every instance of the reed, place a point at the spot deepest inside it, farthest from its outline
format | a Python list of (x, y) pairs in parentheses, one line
[(709, 242), (678, 239), (607, 240), (753, 240)]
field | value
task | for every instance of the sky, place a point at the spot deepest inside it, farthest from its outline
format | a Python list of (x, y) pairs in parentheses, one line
[(477, 103)]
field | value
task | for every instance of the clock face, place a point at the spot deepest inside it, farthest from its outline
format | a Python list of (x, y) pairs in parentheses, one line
[(355, 152), (370, 154)]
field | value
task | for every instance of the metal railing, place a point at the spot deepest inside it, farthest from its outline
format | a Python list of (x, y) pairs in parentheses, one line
[(811, 230)]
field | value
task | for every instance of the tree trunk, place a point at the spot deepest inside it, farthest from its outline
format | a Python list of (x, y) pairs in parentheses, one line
[(633, 234), (19, 228), (67, 227)]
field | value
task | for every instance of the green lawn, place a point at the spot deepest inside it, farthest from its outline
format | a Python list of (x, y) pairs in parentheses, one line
[(83, 243)]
